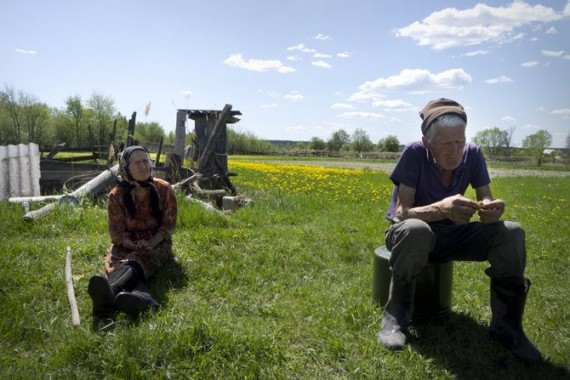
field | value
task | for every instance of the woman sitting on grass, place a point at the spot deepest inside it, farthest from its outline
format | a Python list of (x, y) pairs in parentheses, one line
[(142, 215)]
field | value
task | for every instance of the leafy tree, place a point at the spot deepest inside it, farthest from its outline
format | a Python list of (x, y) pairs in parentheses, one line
[(246, 143), (36, 117), (338, 139), (76, 112), (63, 130), (536, 143), (509, 141), (492, 140), (10, 102), (149, 132), (317, 143), (361, 142), (389, 144), (103, 109)]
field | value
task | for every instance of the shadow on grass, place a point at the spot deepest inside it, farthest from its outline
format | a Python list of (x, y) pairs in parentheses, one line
[(172, 275), (460, 345)]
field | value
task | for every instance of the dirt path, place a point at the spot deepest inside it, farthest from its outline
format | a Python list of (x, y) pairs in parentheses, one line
[(388, 167)]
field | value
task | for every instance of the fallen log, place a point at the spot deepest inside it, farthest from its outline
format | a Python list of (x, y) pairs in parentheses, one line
[(206, 205), (93, 187), (40, 198), (186, 181)]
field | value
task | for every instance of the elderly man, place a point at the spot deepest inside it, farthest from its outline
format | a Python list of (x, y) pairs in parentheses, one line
[(432, 221)]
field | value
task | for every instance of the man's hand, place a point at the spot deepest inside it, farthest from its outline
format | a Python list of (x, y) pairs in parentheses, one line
[(490, 211), (458, 208)]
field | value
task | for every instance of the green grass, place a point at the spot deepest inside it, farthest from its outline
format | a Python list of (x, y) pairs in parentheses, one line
[(280, 289)]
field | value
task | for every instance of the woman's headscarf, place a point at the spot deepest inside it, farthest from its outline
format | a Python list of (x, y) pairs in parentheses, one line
[(128, 183)]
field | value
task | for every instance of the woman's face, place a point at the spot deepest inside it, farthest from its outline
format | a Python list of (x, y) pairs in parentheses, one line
[(139, 165)]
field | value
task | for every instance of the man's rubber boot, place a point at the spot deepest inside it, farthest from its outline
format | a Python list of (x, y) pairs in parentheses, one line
[(508, 298), (397, 314)]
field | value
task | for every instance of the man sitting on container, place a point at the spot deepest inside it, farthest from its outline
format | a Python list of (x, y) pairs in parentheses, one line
[(431, 221)]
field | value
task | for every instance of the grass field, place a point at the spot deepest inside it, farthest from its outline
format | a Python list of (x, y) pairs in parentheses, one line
[(280, 289)]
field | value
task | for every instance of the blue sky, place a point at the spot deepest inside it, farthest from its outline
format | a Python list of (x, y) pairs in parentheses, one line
[(299, 69)]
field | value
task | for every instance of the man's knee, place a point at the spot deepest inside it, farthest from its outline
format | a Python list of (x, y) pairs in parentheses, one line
[(410, 242), (411, 231), (508, 253)]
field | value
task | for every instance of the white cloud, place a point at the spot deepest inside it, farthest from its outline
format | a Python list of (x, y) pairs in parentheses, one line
[(321, 55), (294, 96), (24, 51), (301, 48), (344, 54), (273, 105), (322, 37), (236, 60), (420, 80), (323, 64), (551, 53), (508, 118), (294, 58), (564, 112), (501, 79), (529, 64), (360, 115), (452, 27), (552, 30), (476, 53), (394, 104), (342, 106)]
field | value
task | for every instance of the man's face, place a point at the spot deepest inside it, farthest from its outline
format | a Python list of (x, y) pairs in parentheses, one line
[(446, 146)]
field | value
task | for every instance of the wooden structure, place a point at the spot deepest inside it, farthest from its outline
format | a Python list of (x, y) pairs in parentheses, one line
[(209, 149)]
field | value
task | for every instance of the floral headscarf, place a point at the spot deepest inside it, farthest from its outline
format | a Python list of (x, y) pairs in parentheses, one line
[(128, 183)]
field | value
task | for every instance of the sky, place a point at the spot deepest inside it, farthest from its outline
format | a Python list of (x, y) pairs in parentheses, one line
[(298, 69)]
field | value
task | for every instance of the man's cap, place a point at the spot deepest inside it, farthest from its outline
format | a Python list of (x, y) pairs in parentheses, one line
[(437, 108)]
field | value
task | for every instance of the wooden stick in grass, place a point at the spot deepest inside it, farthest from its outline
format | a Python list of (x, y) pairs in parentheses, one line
[(70, 293)]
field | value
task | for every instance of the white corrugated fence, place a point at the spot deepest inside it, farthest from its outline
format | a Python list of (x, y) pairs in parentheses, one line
[(19, 171)]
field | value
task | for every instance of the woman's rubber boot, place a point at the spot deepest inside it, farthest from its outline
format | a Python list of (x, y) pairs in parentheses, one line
[(102, 296), (102, 290), (397, 314), (508, 298), (135, 303)]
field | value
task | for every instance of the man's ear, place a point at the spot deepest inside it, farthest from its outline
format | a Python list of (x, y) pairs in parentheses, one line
[(425, 141)]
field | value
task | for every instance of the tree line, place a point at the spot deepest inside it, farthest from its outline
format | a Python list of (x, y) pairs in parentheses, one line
[(497, 143), (85, 123), (79, 123), (358, 142)]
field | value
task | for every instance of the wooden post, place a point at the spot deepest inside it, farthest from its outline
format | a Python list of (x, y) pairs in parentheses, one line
[(159, 152), (92, 138), (177, 154), (55, 151), (70, 293), (131, 129)]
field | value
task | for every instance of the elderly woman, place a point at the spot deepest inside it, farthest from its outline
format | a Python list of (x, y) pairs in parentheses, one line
[(141, 215)]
